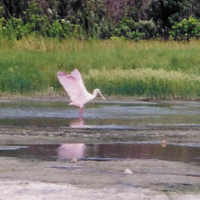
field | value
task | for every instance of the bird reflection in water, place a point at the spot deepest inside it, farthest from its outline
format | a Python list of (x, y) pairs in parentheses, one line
[(77, 123), (71, 152)]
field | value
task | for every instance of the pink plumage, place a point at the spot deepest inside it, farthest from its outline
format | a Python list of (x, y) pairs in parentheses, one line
[(74, 86)]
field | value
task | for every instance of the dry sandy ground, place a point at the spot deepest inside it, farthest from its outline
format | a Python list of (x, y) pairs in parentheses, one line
[(26, 190)]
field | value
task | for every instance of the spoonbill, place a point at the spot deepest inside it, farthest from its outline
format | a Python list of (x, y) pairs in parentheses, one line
[(74, 86)]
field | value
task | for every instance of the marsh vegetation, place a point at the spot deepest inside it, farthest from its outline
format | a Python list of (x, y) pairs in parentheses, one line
[(146, 48), (157, 69)]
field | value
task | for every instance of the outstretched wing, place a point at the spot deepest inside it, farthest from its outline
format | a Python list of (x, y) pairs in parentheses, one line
[(73, 85)]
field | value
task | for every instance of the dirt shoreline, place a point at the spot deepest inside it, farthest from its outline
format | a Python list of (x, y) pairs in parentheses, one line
[(149, 180)]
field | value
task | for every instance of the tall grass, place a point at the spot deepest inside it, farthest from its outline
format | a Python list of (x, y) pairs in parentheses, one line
[(145, 82), (147, 68)]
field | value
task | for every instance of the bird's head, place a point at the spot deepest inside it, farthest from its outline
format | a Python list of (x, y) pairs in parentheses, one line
[(98, 92), (59, 73)]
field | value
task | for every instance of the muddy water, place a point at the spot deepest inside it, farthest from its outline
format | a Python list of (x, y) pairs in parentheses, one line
[(104, 152), (108, 115)]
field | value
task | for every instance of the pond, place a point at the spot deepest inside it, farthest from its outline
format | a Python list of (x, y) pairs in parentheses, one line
[(100, 116)]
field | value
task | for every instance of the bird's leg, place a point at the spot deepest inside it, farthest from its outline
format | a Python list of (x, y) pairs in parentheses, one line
[(81, 113)]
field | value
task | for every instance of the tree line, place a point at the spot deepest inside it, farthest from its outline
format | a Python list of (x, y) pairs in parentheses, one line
[(102, 19)]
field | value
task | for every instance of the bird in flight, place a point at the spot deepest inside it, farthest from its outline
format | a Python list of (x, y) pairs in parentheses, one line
[(74, 86)]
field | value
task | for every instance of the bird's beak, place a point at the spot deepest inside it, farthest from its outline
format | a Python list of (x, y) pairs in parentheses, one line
[(101, 95)]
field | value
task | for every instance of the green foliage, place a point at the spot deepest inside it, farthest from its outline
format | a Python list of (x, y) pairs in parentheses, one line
[(135, 30), (35, 21), (2, 20), (166, 12), (2, 11), (56, 30), (186, 29), (14, 28), (100, 19)]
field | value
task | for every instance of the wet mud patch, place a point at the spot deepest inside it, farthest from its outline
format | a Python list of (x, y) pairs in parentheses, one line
[(182, 188)]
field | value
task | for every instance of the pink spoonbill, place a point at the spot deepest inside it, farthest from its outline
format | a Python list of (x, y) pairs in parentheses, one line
[(74, 86)]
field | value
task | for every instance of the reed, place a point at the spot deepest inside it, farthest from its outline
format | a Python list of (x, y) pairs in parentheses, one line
[(147, 68)]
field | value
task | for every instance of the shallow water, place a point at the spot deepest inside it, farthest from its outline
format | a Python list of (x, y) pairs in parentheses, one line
[(104, 152), (108, 115), (111, 116)]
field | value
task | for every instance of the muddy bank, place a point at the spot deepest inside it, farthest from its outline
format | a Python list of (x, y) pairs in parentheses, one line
[(150, 179), (45, 135)]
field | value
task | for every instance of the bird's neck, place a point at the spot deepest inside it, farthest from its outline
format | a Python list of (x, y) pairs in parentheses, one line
[(95, 92)]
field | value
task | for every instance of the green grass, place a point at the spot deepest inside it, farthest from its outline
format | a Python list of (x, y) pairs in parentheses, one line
[(155, 69), (146, 82)]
